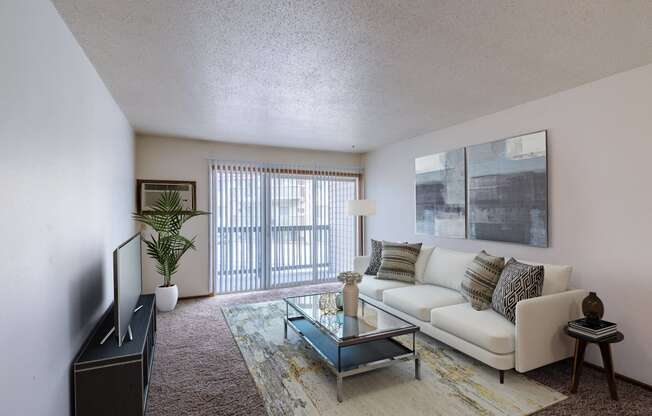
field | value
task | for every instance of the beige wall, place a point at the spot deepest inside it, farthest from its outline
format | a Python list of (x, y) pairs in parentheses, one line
[(67, 173), (185, 159), (600, 203)]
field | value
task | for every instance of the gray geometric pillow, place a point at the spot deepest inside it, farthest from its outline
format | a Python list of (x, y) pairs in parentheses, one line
[(480, 280), (398, 261), (517, 282), (375, 257)]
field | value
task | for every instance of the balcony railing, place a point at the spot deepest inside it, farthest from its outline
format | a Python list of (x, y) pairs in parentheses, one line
[(243, 263)]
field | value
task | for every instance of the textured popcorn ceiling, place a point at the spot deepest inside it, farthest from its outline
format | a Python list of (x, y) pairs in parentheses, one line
[(332, 74)]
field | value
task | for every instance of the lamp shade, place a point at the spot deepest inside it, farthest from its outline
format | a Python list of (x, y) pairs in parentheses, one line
[(361, 207)]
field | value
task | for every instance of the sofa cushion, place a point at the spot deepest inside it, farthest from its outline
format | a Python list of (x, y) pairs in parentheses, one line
[(419, 300), (518, 281), (486, 329), (446, 268), (374, 288), (422, 262), (480, 280), (555, 277), (398, 261)]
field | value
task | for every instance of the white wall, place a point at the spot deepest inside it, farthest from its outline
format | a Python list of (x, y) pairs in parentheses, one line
[(66, 166), (186, 159), (600, 201)]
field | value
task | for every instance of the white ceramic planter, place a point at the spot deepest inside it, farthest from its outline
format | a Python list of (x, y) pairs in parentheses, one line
[(166, 298)]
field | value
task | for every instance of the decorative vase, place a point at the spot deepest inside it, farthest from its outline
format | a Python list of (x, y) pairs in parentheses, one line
[(592, 307), (350, 294), (166, 297), (328, 303)]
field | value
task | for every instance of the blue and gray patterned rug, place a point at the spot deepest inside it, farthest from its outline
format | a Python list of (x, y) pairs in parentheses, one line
[(293, 380)]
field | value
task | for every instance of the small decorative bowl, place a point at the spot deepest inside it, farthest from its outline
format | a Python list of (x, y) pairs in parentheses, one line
[(349, 277)]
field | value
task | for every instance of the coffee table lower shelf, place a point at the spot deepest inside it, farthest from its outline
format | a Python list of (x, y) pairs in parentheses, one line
[(349, 360)]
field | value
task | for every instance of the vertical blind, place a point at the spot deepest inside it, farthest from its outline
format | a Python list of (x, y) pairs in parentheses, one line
[(278, 226)]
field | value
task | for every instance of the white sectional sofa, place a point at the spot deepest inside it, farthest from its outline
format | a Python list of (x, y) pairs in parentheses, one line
[(435, 304)]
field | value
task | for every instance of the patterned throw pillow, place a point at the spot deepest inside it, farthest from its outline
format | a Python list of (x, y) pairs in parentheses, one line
[(375, 257), (480, 280), (398, 261), (517, 282)]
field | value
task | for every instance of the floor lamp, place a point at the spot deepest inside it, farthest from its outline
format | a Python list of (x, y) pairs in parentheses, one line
[(361, 208)]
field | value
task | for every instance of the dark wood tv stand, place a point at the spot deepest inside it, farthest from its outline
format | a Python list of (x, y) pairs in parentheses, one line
[(111, 380)]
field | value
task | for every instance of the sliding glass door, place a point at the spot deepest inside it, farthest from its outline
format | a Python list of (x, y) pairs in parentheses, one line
[(291, 230), (279, 226), (237, 221)]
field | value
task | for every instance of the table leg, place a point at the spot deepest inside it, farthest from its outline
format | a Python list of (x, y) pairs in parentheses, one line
[(607, 361), (285, 321), (339, 388), (417, 362), (580, 349)]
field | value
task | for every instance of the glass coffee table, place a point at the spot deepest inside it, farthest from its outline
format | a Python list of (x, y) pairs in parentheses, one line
[(350, 345)]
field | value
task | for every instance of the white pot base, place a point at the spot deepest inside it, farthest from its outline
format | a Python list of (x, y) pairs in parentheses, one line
[(166, 298)]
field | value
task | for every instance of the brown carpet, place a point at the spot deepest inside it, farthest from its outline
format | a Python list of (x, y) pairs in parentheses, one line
[(198, 369)]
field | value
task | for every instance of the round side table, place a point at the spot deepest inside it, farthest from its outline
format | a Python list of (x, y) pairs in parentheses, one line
[(581, 342)]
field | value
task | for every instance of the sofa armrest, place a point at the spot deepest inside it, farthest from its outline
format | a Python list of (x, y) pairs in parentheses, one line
[(360, 264), (540, 323)]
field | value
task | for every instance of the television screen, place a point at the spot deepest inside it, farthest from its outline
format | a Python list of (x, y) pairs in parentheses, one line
[(127, 284)]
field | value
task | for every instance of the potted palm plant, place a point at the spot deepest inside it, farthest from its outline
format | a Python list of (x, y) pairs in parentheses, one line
[(166, 246)]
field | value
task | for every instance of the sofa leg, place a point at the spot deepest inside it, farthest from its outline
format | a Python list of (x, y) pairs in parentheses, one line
[(501, 375)]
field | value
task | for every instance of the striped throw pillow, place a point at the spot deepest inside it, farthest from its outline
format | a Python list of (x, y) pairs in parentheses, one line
[(480, 280), (398, 261)]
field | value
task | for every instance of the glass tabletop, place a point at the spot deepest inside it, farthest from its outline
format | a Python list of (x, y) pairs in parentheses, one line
[(321, 309)]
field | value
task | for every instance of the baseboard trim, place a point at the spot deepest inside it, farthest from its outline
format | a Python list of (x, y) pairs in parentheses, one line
[(621, 377), (208, 295)]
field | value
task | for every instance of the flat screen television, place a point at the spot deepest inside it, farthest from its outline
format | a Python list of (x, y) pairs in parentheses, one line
[(127, 284)]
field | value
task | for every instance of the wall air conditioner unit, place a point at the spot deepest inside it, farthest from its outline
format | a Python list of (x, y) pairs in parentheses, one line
[(149, 191)]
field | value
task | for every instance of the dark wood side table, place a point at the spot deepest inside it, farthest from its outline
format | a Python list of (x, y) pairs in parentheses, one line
[(605, 349)]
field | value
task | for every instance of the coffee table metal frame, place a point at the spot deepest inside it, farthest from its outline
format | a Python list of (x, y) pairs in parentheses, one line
[(376, 358)]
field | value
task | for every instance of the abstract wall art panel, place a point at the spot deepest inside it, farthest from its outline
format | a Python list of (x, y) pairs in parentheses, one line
[(508, 190), (441, 195)]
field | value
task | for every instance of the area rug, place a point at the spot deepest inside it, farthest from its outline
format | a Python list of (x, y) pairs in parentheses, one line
[(293, 380)]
